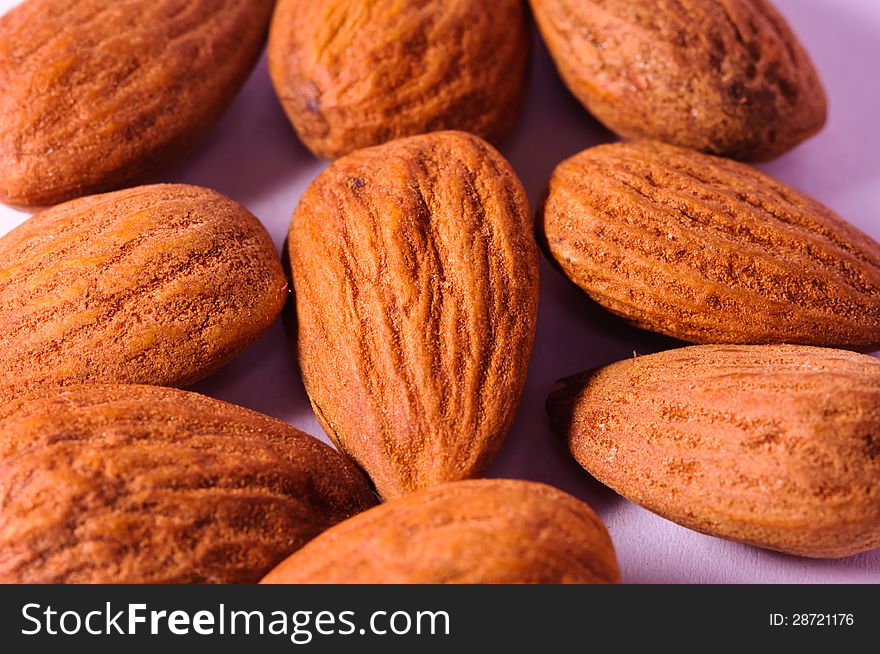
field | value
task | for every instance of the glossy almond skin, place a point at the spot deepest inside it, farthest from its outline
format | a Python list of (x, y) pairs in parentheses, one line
[(155, 285), (470, 532), (728, 77), (416, 282), (96, 94), (353, 74), (138, 484), (776, 446), (708, 250)]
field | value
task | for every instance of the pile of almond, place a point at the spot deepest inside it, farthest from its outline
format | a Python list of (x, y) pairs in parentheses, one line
[(413, 265)]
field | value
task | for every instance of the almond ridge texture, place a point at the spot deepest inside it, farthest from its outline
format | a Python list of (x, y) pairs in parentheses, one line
[(727, 77), (157, 285), (709, 250), (480, 531), (416, 281), (95, 94), (776, 446), (353, 74), (138, 484)]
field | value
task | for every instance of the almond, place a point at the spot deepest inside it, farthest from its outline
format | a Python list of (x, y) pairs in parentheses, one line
[(724, 76), (709, 250), (157, 285), (469, 532), (95, 94), (773, 445), (416, 277), (352, 74), (137, 484)]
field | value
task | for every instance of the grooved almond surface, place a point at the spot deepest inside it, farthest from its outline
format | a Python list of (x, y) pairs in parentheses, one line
[(416, 280), (724, 76), (776, 446), (137, 484), (709, 250), (481, 531), (98, 93), (353, 74), (158, 285)]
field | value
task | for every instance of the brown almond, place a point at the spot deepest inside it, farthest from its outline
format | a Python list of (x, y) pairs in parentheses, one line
[(727, 77), (97, 94), (471, 532), (776, 446), (416, 277), (156, 285), (353, 74), (138, 484), (709, 250)]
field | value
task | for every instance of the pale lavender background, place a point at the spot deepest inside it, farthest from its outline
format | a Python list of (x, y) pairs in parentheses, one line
[(254, 157)]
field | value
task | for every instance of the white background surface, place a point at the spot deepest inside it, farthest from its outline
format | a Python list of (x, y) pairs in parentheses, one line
[(254, 157)]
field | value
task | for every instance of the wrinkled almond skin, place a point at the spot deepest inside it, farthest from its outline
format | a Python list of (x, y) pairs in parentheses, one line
[(727, 77), (416, 281), (776, 445), (138, 484), (353, 74), (96, 94), (155, 285), (709, 250), (487, 531)]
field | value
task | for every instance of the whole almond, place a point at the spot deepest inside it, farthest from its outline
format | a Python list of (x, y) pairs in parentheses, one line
[(138, 484), (416, 277), (95, 94), (470, 532), (724, 76), (773, 445), (157, 285), (709, 250), (352, 74)]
